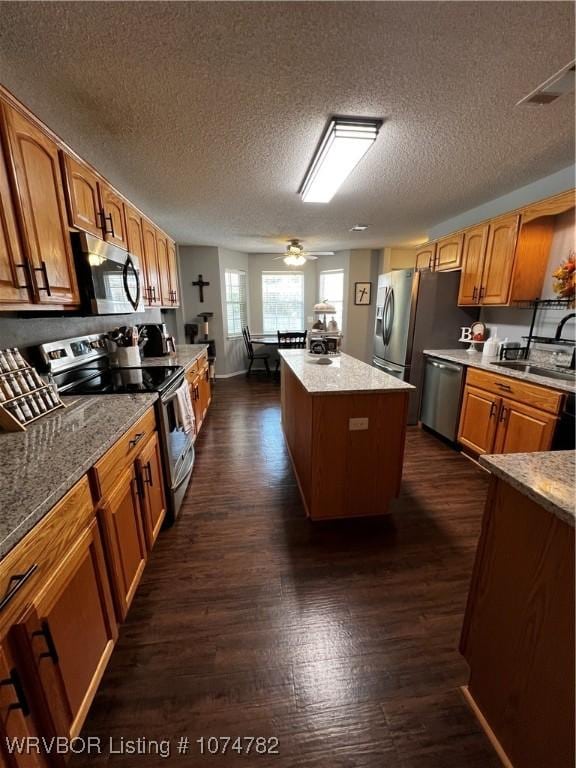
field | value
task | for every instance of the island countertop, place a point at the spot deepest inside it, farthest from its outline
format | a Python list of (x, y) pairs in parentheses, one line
[(39, 466), (547, 478), (344, 375), (476, 360)]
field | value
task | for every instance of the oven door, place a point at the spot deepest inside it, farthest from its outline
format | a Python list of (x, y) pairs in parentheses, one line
[(113, 277), (178, 444)]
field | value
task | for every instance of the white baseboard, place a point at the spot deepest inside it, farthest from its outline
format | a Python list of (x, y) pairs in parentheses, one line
[(229, 375)]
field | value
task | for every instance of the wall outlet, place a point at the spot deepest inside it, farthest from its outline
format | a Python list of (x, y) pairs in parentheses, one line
[(355, 425)]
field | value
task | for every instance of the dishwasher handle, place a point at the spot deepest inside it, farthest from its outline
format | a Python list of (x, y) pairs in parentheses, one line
[(445, 366)]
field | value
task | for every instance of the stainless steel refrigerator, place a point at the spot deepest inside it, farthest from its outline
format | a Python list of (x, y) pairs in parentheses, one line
[(416, 310)]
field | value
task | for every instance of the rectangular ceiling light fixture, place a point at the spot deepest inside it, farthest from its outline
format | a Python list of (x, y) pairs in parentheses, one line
[(343, 145)]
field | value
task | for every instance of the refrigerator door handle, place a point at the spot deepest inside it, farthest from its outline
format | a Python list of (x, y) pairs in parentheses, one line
[(389, 316), (384, 315)]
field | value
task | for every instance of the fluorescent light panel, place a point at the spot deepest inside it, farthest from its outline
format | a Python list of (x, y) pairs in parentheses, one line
[(344, 144)]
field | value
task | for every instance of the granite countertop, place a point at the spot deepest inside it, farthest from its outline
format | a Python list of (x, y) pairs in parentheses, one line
[(475, 360), (345, 375), (185, 355), (39, 466), (547, 478)]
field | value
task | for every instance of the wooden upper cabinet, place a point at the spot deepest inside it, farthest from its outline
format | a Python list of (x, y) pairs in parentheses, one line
[(499, 261), (135, 237), (114, 223), (425, 256), (153, 295), (552, 206), (82, 196), (14, 274), (473, 252), (449, 253), (149, 466), (163, 268), (174, 281), (40, 201), (67, 634)]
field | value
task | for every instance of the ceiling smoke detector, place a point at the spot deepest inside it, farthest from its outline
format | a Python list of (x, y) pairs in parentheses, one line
[(557, 85)]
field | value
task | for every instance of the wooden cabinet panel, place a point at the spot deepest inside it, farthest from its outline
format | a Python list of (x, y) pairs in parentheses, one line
[(121, 517), (449, 253), (163, 268), (522, 429), (205, 388), (16, 716), (478, 419), (149, 465), (114, 223), (40, 201), (135, 240), (67, 635), (174, 280), (13, 268), (473, 253), (531, 394), (499, 261), (425, 256), (153, 296), (82, 196), (196, 396)]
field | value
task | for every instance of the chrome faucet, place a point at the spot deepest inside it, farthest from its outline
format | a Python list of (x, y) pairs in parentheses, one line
[(558, 337)]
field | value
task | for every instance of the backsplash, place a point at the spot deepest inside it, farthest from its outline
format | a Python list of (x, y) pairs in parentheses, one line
[(30, 331)]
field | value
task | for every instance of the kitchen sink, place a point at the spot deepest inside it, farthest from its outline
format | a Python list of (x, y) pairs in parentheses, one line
[(537, 370)]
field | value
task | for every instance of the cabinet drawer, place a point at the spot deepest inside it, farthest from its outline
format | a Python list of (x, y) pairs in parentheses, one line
[(112, 464), (529, 394), (43, 549)]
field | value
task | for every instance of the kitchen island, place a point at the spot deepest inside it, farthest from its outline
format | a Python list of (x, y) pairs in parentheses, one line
[(345, 427), (518, 633)]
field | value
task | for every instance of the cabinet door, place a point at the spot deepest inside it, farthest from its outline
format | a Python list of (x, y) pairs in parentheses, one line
[(174, 282), (82, 196), (46, 240), (121, 517), (449, 253), (197, 401), (425, 256), (114, 223), (478, 419), (13, 270), (522, 429), (150, 469), (205, 389), (16, 718), (473, 253), (65, 638), (499, 261), (163, 268), (135, 239), (153, 295)]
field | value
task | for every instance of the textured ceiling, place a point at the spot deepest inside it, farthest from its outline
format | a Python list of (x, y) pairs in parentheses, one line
[(207, 114)]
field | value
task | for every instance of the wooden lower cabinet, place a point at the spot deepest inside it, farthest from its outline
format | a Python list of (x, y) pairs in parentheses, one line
[(66, 636), (122, 526), (492, 420), (149, 468)]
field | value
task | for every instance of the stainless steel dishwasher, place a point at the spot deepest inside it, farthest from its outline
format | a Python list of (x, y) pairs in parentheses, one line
[(441, 396)]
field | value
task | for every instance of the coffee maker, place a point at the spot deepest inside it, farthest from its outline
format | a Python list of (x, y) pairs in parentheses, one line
[(158, 342)]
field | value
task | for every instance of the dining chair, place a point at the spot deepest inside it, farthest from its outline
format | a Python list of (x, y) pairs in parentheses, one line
[(252, 356), (291, 340)]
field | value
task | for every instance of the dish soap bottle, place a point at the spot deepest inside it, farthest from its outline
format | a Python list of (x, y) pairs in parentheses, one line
[(491, 346)]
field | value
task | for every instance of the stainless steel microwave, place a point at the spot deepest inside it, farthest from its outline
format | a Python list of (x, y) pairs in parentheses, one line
[(110, 278)]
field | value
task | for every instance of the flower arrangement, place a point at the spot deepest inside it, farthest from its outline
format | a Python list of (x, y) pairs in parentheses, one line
[(565, 278)]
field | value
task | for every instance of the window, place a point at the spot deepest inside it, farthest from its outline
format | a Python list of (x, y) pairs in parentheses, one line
[(331, 289), (236, 305), (282, 301)]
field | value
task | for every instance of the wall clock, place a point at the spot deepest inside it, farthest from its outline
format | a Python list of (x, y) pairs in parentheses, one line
[(362, 293)]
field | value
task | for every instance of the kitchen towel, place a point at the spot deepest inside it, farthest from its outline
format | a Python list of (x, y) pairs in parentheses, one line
[(186, 409)]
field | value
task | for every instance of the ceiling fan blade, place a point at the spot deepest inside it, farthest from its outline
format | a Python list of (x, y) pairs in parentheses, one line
[(309, 257), (322, 253)]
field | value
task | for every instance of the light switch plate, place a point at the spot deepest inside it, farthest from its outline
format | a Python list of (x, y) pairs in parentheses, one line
[(355, 425)]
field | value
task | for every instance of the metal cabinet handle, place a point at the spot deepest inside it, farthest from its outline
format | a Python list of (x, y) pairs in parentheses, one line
[(104, 217), (493, 409), (148, 475), (45, 632), (482, 292), (503, 413), (475, 293), (26, 267), (16, 583), (21, 700), (136, 439), (42, 268), (506, 387)]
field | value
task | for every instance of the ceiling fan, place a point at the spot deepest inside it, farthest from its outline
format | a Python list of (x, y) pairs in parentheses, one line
[(296, 256)]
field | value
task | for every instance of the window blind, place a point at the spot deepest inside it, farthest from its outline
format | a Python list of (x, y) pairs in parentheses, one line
[(282, 301), (236, 302), (331, 289)]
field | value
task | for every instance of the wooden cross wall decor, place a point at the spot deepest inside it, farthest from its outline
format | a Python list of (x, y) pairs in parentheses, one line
[(201, 284)]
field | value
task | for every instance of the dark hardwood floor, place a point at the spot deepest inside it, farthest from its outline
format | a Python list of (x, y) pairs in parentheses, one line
[(339, 638)]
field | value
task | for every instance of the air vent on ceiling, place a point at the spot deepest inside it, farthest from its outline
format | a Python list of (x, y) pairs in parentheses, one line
[(557, 85)]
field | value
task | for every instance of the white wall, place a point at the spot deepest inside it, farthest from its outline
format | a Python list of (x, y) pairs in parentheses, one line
[(363, 265), (538, 190)]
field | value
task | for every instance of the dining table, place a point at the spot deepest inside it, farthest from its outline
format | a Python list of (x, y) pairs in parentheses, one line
[(263, 338)]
